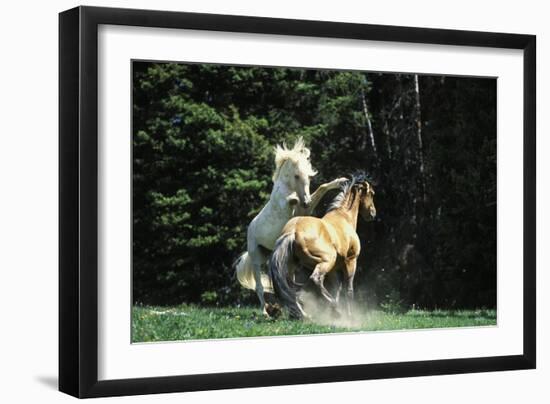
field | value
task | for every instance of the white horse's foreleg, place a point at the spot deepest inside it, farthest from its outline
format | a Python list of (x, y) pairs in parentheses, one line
[(319, 193)]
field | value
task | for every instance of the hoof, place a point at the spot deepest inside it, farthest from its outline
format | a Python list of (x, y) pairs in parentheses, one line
[(273, 310), (295, 316), (342, 180), (298, 315)]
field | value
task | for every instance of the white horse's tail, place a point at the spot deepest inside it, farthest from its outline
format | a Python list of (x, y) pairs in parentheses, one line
[(244, 271), (278, 270)]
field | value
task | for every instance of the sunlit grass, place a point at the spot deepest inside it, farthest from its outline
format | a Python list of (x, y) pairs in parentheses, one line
[(187, 322)]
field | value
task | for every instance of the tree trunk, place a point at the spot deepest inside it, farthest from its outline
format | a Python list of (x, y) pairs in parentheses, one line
[(370, 133), (420, 151)]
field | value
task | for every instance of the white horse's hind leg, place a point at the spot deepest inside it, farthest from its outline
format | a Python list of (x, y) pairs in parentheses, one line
[(258, 260), (259, 288)]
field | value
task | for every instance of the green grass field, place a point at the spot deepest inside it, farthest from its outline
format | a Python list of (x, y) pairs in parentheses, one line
[(187, 322)]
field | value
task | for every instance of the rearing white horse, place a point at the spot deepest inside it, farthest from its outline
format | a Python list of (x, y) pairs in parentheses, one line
[(290, 197)]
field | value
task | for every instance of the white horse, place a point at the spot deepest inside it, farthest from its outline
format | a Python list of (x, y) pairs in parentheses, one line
[(290, 197)]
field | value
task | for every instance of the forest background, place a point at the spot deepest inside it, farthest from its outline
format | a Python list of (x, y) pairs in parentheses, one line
[(203, 138)]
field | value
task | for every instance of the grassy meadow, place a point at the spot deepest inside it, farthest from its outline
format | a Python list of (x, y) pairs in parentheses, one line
[(187, 322)]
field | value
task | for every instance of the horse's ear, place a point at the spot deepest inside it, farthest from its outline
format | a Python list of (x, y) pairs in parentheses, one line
[(306, 152), (364, 188), (368, 188)]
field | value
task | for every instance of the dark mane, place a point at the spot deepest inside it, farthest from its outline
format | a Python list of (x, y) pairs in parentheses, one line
[(362, 176)]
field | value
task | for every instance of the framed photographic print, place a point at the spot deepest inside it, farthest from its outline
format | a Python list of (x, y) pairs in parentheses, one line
[(251, 201)]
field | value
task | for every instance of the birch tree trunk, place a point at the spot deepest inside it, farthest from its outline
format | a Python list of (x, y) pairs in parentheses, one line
[(370, 133), (420, 152)]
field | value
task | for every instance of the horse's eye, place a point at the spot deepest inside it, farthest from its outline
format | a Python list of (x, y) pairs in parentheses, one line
[(297, 177)]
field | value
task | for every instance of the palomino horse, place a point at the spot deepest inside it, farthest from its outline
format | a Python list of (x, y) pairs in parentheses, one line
[(329, 245), (290, 196)]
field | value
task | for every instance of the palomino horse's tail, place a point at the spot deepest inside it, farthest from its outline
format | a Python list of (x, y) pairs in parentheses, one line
[(244, 271), (278, 269)]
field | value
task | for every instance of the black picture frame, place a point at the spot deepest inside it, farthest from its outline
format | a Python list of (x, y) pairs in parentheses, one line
[(78, 200)]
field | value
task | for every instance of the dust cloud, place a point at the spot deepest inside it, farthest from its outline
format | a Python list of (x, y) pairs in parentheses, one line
[(320, 312)]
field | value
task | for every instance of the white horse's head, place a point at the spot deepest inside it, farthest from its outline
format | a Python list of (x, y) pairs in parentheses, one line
[(292, 166)]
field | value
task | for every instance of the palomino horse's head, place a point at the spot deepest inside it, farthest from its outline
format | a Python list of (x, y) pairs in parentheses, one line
[(292, 166), (358, 189), (366, 207)]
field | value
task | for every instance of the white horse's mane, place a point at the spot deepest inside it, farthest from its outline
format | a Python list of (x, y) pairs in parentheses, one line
[(298, 155)]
